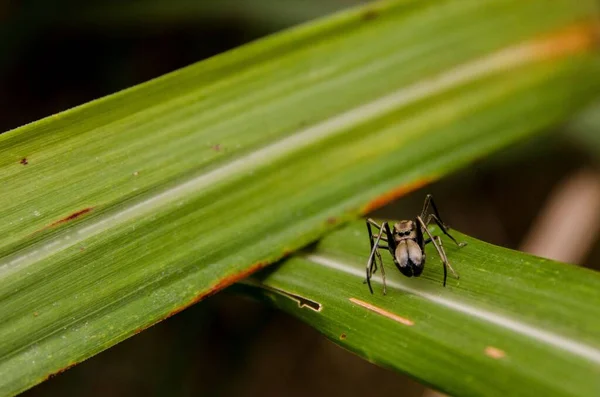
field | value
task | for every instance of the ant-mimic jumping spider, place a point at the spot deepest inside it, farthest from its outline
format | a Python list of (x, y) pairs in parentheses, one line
[(406, 244)]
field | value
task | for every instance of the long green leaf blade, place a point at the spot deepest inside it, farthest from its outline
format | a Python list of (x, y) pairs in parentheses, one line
[(513, 324), (126, 210)]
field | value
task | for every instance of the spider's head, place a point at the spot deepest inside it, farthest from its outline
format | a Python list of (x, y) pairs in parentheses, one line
[(405, 229)]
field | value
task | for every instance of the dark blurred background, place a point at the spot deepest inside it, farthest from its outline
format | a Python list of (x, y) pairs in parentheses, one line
[(542, 196)]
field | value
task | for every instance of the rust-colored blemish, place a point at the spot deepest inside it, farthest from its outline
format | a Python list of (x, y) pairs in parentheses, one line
[(24, 161), (71, 217), (383, 312), (60, 371), (216, 148), (494, 352), (138, 330), (394, 194), (574, 38), (331, 220), (342, 336)]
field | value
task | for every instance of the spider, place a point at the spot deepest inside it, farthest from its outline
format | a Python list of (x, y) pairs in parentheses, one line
[(406, 244)]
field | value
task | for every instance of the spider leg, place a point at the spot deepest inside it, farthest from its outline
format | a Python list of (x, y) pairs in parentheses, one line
[(390, 239), (372, 222), (438, 240), (444, 228), (429, 202), (372, 237), (391, 247), (373, 257), (378, 255), (426, 204), (382, 271), (437, 243), (370, 263)]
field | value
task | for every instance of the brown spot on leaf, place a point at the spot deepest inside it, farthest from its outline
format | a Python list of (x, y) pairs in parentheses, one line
[(216, 148), (24, 161), (370, 14), (342, 336), (331, 220), (71, 217), (394, 194), (494, 352), (35, 314)]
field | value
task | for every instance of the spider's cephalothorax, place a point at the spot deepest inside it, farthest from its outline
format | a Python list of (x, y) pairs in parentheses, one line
[(406, 244)]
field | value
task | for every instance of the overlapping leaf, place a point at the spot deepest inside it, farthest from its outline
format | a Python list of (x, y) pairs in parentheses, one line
[(513, 324)]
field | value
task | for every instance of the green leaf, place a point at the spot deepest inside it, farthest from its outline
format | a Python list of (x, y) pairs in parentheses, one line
[(126, 210), (513, 324)]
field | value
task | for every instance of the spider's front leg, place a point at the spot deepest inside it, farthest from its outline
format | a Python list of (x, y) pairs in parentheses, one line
[(437, 218), (444, 228)]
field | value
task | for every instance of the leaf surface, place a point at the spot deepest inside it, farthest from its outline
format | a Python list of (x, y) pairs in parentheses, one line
[(513, 324)]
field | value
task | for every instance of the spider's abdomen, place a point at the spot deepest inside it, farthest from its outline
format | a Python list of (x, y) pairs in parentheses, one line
[(409, 258)]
